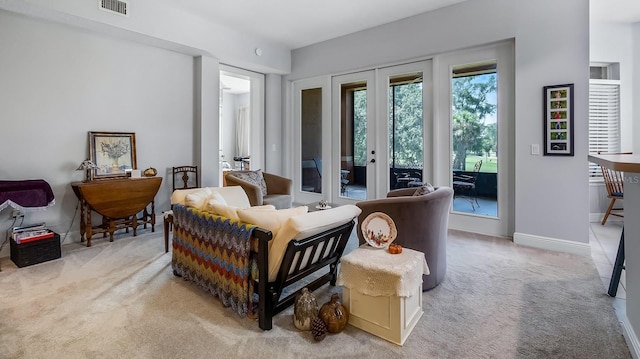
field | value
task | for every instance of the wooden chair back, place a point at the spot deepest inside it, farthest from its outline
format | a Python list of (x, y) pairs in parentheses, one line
[(185, 177), (613, 181)]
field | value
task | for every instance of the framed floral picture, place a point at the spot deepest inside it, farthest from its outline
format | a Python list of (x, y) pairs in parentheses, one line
[(558, 120), (114, 153)]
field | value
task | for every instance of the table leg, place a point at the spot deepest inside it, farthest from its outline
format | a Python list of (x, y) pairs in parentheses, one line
[(617, 268), (134, 224), (88, 227), (152, 217), (112, 229), (83, 222)]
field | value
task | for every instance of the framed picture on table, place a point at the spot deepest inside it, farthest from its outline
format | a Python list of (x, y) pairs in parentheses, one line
[(558, 120), (114, 153)]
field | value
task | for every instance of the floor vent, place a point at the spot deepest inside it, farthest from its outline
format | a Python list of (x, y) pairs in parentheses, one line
[(114, 6)]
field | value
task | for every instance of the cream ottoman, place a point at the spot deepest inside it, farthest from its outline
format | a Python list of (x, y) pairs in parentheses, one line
[(383, 291)]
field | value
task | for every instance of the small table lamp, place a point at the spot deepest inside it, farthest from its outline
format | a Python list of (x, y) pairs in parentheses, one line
[(88, 166)]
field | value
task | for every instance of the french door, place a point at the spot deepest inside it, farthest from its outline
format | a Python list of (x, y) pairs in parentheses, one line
[(379, 126), (362, 134), (475, 127), (405, 104), (354, 137)]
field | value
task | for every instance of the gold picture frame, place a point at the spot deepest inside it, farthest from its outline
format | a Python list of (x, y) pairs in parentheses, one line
[(114, 153)]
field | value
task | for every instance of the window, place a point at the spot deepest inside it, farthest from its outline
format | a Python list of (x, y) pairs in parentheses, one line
[(475, 127), (604, 114)]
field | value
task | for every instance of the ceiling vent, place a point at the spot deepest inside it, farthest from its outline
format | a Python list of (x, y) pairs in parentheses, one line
[(120, 7)]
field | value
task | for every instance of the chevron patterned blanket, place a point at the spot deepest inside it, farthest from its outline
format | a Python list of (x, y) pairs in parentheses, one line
[(215, 253)]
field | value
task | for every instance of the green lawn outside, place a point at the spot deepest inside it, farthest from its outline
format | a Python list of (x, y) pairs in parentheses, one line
[(489, 164)]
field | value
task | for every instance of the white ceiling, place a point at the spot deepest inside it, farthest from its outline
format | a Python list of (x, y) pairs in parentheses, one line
[(298, 23)]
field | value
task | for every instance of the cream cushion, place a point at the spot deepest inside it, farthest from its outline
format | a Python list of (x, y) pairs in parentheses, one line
[(224, 210), (233, 195), (270, 219), (305, 225), (197, 199), (232, 211), (217, 204)]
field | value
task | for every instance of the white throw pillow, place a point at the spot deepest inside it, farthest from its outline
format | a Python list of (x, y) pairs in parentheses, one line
[(198, 199), (234, 196)]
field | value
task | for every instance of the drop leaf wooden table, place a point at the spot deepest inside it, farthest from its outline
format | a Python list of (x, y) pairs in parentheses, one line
[(118, 201)]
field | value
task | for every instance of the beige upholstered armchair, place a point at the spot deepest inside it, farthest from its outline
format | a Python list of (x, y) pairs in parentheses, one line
[(262, 188), (421, 223)]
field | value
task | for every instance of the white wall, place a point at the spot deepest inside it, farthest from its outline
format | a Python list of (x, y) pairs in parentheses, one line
[(543, 57), (59, 83), (273, 124)]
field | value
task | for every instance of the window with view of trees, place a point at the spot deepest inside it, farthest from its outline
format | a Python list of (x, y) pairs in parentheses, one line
[(475, 133), (360, 127), (405, 122)]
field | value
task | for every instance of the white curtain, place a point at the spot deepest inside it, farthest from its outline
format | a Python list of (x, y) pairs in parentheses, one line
[(242, 132)]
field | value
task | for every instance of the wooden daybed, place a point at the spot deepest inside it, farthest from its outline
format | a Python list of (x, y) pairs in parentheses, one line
[(229, 258)]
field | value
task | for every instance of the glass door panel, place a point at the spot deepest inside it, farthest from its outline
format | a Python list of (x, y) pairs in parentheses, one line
[(353, 140), (311, 140), (475, 122), (475, 139), (406, 155), (353, 108)]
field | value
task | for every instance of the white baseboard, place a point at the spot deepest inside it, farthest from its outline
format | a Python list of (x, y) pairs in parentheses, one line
[(553, 244), (632, 339), (597, 218)]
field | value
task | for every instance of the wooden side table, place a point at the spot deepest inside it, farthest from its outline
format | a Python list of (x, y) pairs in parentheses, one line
[(118, 201)]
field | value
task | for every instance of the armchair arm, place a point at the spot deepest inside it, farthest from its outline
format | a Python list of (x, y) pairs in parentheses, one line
[(411, 214), (402, 192), (277, 184), (254, 193)]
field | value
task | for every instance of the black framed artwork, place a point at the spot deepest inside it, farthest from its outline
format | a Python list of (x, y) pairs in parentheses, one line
[(558, 120)]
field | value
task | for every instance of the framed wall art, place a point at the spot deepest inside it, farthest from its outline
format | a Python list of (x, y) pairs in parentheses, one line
[(114, 153), (558, 120)]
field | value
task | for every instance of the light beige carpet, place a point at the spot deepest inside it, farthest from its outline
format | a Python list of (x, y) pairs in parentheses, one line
[(121, 300)]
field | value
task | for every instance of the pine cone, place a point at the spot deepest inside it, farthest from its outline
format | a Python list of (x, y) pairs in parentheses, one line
[(318, 329)]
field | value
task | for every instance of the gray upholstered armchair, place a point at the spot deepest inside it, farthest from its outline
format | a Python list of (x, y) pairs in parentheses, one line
[(274, 190), (422, 223)]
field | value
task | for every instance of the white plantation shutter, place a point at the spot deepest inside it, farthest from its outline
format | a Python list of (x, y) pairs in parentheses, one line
[(604, 120)]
